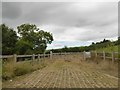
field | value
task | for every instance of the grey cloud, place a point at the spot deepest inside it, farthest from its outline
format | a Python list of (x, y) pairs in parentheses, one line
[(11, 10), (99, 19), (56, 13), (99, 33), (46, 13)]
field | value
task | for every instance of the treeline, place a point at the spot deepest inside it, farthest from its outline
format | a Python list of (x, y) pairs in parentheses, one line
[(94, 46), (27, 39)]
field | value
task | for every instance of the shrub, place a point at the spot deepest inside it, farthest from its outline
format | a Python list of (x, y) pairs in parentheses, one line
[(21, 71)]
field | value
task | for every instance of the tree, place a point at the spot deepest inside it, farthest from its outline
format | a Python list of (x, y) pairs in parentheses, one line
[(9, 39), (65, 49), (23, 47), (36, 37)]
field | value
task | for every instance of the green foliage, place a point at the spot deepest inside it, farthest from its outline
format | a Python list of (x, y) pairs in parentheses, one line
[(38, 39), (31, 40), (22, 47), (9, 39), (105, 45), (21, 71), (109, 49)]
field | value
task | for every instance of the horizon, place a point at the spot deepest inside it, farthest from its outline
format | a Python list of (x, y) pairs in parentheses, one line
[(80, 44)]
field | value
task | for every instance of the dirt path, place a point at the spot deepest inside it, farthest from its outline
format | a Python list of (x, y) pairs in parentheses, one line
[(63, 74)]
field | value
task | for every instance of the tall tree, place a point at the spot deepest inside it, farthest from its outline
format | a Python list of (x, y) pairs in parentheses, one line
[(9, 39), (36, 37), (23, 47)]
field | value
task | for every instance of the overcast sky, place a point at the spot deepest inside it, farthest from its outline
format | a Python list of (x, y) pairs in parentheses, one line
[(71, 23)]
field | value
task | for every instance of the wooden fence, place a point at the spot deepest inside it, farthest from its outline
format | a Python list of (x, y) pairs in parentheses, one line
[(94, 54), (15, 58), (113, 56)]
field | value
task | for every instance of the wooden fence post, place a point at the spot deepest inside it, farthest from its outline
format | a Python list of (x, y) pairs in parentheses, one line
[(15, 58), (103, 55), (113, 57), (33, 57), (38, 57), (51, 55), (84, 56), (44, 55), (64, 55), (96, 54)]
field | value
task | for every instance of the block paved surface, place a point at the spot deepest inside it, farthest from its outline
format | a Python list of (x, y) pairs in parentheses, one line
[(64, 74)]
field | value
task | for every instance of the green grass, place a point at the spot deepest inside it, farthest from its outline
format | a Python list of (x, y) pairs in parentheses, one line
[(108, 49)]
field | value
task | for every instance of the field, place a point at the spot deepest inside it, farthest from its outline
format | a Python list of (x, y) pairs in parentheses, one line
[(69, 72)]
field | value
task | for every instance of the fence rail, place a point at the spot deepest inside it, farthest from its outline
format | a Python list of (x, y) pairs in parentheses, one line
[(107, 55), (111, 55), (33, 57)]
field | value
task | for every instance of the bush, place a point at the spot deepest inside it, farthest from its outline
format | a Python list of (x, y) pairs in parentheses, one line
[(21, 71)]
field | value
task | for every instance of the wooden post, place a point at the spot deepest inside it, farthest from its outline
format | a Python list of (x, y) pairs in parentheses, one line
[(96, 54), (84, 56), (96, 57), (113, 57), (33, 57), (38, 57), (44, 55), (15, 58), (51, 55), (103, 55), (64, 55)]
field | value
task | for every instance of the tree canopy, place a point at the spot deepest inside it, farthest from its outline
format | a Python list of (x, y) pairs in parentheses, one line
[(9, 39), (30, 40)]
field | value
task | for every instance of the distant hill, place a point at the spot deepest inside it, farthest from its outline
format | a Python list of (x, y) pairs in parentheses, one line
[(105, 45)]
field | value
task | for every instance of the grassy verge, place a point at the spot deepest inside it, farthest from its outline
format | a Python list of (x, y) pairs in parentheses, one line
[(109, 49), (11, 70)]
